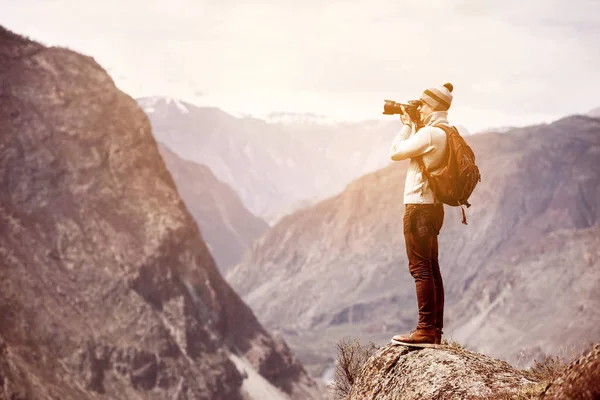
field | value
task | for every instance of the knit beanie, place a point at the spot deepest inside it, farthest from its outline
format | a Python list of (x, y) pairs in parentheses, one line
[(439, 97)]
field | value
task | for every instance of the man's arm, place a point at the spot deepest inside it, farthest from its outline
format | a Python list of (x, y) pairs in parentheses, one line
[(411, 146), (403, 135)]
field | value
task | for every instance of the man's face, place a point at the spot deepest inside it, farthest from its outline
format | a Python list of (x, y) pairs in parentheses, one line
[(425, 110)]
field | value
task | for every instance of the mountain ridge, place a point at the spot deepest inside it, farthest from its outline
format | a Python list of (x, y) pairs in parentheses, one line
[(274, 167), (595, 113), (106, 286)]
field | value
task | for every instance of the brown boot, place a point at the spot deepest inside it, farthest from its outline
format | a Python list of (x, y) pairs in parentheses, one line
[(438, 335), (418, 338)]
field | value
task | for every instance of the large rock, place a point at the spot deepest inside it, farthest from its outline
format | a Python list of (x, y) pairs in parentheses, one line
[(106, 287), (401, 373), (580, 381)]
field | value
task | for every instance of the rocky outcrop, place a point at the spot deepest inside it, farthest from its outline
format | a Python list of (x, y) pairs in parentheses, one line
[(580, 381), (527, 261), (452, 372), (106, 286), (226, 225), (402, 373)]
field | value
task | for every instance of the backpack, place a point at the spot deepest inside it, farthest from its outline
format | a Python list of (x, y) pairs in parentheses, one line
[(455, 181)]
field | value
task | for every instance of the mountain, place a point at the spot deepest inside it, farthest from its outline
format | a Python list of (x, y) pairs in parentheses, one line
[(277, 165), (107, 289), (519, 279), (257, 160), (226, 225), (292, 118), (595, 113), (498, 129)]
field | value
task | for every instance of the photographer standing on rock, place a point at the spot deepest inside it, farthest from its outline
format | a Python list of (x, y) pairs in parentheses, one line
[(425, 143)]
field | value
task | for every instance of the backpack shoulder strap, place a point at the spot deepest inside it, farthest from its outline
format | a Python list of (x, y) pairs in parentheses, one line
[(427, 177), (447, 128), (423, 167)]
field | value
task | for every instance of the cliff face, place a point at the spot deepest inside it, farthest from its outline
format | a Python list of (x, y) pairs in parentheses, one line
[(106, 286), (226, 225), (527, 261)]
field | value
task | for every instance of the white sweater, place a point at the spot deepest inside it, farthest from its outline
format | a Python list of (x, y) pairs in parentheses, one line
[(429, 142)]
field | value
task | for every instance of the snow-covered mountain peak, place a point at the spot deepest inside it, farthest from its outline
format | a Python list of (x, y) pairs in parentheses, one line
[(149, 104), (299, 118)]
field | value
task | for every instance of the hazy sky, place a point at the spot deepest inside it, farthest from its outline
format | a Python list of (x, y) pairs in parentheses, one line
[(512, 62)]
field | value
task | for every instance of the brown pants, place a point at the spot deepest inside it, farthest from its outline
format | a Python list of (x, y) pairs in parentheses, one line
[(422, 224)]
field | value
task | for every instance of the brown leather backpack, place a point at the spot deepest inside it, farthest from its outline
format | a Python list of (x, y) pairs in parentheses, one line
[(455, 181)]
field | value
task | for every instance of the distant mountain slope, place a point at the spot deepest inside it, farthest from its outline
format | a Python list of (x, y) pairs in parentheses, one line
[(274, 167), (546, 302), (595, 113), (107, 289), (257, 160), (225, 224), (342, 262)]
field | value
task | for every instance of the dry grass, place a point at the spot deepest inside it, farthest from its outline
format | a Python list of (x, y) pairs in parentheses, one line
[(351, 358), (547, 370), (543, 373), (453, 344)]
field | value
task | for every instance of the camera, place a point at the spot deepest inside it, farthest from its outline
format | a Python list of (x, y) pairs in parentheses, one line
[(390, 107)]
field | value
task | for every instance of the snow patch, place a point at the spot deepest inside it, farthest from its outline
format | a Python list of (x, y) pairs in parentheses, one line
[(149, 101), (299, 118), (254, 383), (181, 107), (149, 109)]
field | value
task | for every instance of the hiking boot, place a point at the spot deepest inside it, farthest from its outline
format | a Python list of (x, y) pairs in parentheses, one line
[(419, 337), (438, 335)]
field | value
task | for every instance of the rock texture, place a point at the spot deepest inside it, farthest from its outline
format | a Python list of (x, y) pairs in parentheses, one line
[(527, 262), (400, 373), (226, 225), (107, 289), (580, 381), (274, 167)]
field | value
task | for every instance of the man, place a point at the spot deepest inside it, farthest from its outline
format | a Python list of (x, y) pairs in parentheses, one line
[(424, 214)]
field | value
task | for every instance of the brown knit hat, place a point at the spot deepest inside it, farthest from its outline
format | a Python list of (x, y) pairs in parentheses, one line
[(439, 97)]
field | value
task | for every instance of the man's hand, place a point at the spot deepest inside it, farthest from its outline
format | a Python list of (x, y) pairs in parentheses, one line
[(405, 118)]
